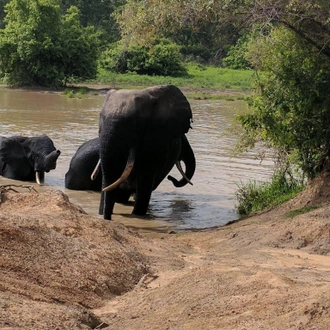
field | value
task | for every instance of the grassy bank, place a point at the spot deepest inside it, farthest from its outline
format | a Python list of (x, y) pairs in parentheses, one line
[(202, 82), (256, 196), (199, 77)]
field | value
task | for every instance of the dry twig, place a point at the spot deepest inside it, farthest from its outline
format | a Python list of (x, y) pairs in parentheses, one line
[(10, 187)]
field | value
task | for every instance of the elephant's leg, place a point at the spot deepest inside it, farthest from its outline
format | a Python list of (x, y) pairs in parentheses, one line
[(144, 185), (113, 163), (101, 206), (149, 165), (108, 198), (142, 197), (109, 203), (123, 196)]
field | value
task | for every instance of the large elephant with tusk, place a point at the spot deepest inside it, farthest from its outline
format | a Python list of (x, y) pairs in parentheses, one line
[(27, 158), (142, 136)]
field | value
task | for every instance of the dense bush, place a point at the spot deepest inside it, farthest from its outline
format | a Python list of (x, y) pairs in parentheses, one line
[(292, 102), (39, 46), (255, 196), (236, 56), (161, 58)]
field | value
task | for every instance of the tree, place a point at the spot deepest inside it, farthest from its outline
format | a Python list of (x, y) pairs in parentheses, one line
[(309, 19), (40, 47), (160, 58), (292, 101), (2, 12), (197, 26), (98, 13), (79, 47)]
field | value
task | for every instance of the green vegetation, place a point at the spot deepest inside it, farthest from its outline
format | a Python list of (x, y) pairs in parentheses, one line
[(256, 196), (160, 58), (198, 76), (292, 101), (303, 210), (75, 92), (40, 47)]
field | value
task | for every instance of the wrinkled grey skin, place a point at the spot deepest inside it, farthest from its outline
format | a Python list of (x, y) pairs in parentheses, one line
[(81, 167), (21, 157), (152, 123)]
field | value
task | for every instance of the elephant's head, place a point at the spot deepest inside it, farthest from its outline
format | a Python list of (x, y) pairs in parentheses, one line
[(25, 158)]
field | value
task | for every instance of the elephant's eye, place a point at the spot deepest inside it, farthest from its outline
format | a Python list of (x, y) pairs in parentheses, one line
[(32, 155)]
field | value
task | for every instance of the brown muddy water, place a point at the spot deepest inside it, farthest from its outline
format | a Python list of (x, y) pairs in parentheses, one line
[(210, 202)]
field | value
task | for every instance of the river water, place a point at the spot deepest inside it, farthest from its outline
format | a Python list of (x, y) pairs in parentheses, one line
[(210, 202)]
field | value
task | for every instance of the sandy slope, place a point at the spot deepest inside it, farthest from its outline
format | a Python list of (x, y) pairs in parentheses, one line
[(63, 269)]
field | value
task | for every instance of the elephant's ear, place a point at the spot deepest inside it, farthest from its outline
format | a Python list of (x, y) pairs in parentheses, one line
[(13, 154)]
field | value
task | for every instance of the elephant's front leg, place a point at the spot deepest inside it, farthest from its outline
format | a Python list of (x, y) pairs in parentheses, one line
[(143, 194), (107, 201), (107, 204)]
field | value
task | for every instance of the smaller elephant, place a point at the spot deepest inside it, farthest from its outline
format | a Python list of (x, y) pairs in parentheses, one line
[(84, 171), (82, 166), (27, 158)]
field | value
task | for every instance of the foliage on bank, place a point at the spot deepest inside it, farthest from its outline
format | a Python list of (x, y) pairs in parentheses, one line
[(291, 105), (40, 47), (256, 196), (162, 57), (198, 77)]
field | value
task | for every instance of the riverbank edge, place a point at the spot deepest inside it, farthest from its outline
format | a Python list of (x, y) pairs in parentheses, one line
[(78, 90)]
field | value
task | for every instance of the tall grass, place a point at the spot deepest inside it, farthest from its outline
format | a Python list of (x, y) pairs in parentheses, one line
[(255, 196), (198, 77)]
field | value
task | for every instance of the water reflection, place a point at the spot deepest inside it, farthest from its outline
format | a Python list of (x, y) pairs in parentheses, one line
[(209, 202)]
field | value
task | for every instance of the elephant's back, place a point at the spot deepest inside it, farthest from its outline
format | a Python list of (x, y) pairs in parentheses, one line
[(165, 108)]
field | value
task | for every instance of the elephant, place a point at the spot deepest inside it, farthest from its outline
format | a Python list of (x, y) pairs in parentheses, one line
[(142, 136), (27, 158), (81, 168), (84, 161)]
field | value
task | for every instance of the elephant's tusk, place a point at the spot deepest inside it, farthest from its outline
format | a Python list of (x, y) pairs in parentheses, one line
[(126, 173), (178, 165), (38, 178), (96, 170)]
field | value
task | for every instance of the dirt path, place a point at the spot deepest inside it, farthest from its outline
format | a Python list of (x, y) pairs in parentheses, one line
[(229, 279), (62, 269)]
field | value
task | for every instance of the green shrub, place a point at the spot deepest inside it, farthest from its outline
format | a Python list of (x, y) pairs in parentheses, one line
[(165, 59), (39, 46), (236, 58), (161, 58), (291, 104), (255, 196)]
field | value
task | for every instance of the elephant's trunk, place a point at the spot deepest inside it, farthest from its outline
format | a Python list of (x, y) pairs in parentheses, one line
[(179, 167), (127, 171), (188, 157), (50, 160), (48, 163)]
